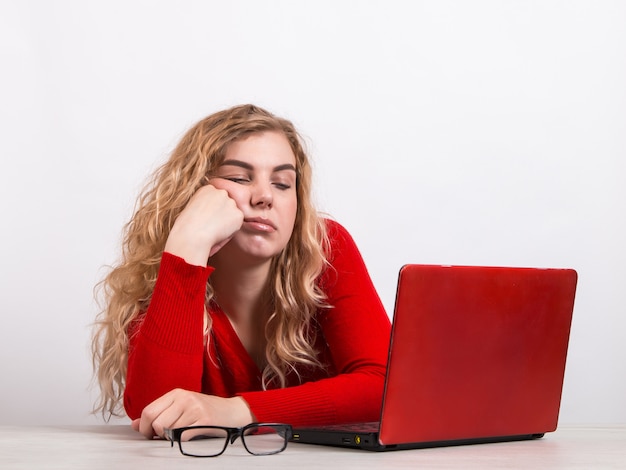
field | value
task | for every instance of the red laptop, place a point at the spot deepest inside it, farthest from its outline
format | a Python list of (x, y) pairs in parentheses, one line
[(477, 355)]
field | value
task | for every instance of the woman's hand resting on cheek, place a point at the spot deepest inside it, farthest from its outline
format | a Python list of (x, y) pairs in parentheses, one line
[(179, 408), (207, 223)]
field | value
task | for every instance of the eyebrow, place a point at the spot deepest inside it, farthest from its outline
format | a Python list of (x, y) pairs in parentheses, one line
[(247, 166)]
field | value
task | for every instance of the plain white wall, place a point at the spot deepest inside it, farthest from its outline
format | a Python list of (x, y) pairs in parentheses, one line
[(483, 132)]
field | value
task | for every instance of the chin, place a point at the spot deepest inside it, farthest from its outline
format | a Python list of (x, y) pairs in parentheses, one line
[(257, 249)]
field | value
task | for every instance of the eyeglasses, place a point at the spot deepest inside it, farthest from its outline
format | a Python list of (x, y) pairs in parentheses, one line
[(211, 441)]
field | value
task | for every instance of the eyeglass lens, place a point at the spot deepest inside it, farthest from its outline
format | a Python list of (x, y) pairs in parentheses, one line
[(263, 440), (206, 442)]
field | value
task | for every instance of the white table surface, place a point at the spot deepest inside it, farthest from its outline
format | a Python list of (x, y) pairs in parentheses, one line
[(119, 447)]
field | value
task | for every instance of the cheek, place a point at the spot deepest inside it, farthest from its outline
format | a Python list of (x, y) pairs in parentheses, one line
[(292, 209)]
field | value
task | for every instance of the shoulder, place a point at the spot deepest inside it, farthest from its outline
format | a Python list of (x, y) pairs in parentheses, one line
[(345, 275), (340, 244), (336, 232)]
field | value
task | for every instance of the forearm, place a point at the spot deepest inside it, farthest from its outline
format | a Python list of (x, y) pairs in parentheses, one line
[(346, 398), (166, 350)]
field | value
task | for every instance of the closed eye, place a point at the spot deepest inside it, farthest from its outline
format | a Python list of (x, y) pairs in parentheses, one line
[(282, 186), (236, 179)]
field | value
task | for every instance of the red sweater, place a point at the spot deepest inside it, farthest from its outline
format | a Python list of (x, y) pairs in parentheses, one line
[(168, 349)]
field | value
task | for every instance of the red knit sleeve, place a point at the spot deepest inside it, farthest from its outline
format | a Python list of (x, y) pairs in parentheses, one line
[(357, 330), (166, 343)]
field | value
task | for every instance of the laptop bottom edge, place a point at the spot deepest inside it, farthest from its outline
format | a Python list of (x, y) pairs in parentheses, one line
[(369, 441)]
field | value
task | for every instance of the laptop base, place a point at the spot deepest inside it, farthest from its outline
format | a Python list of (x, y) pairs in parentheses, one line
[(369, 441)]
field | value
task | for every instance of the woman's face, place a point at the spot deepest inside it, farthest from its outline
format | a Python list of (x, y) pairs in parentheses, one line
[(259, 174)]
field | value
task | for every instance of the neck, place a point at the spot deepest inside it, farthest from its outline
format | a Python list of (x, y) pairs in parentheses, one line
[(242, 296), (240, 290)]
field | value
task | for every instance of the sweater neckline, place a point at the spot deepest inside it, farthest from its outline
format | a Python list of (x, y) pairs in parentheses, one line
[(234, 342)]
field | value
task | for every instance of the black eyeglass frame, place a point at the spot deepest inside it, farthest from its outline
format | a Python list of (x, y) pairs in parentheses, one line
[(284, 430)]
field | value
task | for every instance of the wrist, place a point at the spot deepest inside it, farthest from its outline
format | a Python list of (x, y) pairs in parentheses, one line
[(241, 411), (187, 249)]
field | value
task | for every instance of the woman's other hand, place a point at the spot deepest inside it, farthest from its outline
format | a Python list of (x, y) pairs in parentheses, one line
[(179, 408)]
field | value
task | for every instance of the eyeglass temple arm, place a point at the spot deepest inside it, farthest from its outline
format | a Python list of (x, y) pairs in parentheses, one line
[(169, 435)]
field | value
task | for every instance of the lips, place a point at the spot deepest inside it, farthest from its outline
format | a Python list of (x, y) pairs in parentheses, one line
[(259, 224)]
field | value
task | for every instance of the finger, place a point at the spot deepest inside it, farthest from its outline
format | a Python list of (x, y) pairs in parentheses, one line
[(171, 417), (151, 412), (167, 413), (135, 424)]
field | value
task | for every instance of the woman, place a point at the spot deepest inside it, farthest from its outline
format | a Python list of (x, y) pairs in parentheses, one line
[(234, 301)]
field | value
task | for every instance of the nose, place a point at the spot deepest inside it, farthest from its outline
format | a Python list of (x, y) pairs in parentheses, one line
[(261, 195)]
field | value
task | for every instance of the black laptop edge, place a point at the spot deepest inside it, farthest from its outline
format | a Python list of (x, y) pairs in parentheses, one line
[(369, 441)]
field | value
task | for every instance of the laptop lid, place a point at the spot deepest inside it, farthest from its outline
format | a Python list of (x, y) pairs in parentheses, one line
[(476, 353)]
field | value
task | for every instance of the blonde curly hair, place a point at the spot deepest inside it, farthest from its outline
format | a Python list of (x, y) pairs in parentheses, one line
[(126, 290)]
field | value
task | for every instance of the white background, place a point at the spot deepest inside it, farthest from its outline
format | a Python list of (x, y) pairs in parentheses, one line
[(467, 132)]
